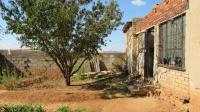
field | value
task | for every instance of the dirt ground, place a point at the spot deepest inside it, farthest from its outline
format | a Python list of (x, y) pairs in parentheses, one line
[(51, 93), (91, 100)]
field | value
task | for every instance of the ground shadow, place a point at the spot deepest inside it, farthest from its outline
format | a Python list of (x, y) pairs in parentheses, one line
[(100, 84), (9, 66), (116, 86), (110, 86), (102, 66)]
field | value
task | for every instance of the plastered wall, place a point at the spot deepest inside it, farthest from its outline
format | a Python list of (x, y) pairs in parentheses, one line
[(193, 43), (35, 62)]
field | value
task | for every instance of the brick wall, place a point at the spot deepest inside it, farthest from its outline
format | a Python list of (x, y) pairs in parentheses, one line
[(34, 62), (175, 82), (29, 62), (129, 50), (161, 12), (131, 46)]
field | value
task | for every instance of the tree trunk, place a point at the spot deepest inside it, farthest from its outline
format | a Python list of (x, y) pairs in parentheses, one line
[(68, 77), (68, 81)]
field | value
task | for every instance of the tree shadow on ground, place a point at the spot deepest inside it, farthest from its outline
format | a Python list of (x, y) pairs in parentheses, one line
[(115, 86), (101, 84)]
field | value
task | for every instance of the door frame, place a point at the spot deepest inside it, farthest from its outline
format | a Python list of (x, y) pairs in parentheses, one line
[(149, 53)]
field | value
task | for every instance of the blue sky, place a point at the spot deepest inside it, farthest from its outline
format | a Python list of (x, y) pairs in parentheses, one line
[(131, 9)]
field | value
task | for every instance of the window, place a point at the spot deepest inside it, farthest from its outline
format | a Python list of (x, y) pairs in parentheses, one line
[(172, 44)]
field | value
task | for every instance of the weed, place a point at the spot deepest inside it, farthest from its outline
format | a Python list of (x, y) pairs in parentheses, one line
[(119, 87), (64, 109), (9, 79), (80, 110), (81, 71), (67, 109), (80, 74), (81, 77), (21, 108)]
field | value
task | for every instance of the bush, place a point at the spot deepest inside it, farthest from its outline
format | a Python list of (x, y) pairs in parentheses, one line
[(81, 71), (81, 77), (80, 74), (67, 109), (29, 108), (21, 108), (80, 110), (9, 79), (118, 87), (64, 109)]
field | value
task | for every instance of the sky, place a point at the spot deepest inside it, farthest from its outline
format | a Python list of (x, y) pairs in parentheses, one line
[(131, 9)]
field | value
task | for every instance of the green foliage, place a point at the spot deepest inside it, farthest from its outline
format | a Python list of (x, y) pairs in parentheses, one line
[(119, 87), (81, 71), (21, 108), (80, 110), (67, 30), (30, 108), (9, 79), (67, 109), (116, 90), (79, 76), (64, 109)]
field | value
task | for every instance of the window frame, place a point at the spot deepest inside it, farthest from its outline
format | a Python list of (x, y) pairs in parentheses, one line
[(177, 48)]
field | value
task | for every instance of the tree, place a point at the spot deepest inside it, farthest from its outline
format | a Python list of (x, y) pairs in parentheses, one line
[(69, 31), (1, 32)]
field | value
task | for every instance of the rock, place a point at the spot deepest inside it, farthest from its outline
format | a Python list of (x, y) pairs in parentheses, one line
[(91, 74), (106, 72), (100, 75)]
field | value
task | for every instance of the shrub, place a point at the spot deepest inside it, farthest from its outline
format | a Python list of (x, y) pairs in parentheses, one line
[(29, 108), (21, 108), (81, 77), (8, 78), (64, 109), (80, 110), (81, 71), (67, 109), (119, 87), (80, 74)]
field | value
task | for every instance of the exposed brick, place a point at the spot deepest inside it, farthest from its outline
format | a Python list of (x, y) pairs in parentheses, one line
[(164, 11), (174, 81)]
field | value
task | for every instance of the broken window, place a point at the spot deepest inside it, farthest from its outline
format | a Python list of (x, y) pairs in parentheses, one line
[(172, 44)]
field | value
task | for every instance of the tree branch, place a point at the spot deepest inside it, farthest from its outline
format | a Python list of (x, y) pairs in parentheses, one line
[(79, 66)]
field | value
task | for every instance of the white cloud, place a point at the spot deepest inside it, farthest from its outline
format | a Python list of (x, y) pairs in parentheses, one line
[(138, 2)]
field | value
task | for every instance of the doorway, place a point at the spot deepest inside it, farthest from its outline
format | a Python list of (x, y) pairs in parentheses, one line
[(149, 54)]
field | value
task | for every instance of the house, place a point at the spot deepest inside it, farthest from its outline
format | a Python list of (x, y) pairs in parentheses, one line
[(168, 49), (131, 46)]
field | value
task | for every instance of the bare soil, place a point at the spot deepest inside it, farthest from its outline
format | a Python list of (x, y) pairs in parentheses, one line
[(51, 93), (91, 100)]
